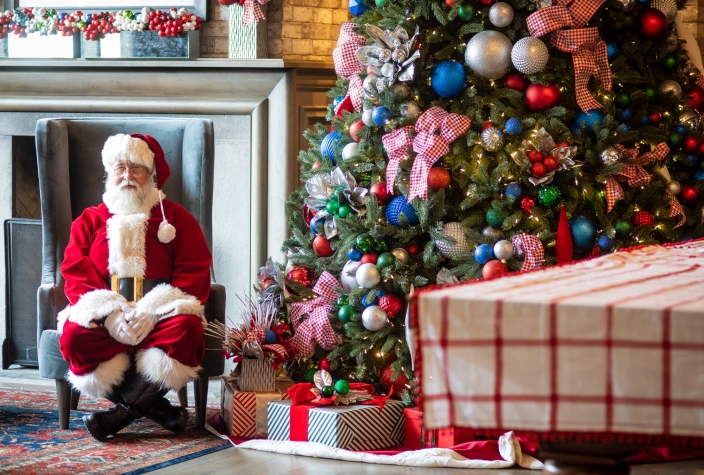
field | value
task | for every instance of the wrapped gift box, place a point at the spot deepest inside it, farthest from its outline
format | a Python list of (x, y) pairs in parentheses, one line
[(354, 427), (417, 437), (256, 375), (245, 412)]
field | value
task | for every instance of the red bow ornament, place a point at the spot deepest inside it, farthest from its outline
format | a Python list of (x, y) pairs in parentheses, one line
[(317, 326), (346, 64), (252, 11), (633, 174), (589, 53), (258, 335), (397, 144), (430, 146), (532, 247)]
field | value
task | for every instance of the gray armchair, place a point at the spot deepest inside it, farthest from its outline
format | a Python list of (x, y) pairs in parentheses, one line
[(68, 154)]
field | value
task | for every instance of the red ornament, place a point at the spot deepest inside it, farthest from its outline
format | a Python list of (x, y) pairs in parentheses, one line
[(307, 213), (324, 364), (487, 2), (655, 117), (399, 385), (391, 304), (691, 144), (438, 178), (540, 98), (643, 218), (550, 163), (539, 169), (494, 269), (412, 249), (227, 2), (652, 24), (321, 246), (379, 189), (316, 166), (487, 124), (449, 3), (344, 106), (535, 156), (516, 81), (369, 258), (303, 275), (689, 194), (355, 129), (527, 204), (697, 100), (701, 149), (563, 240)]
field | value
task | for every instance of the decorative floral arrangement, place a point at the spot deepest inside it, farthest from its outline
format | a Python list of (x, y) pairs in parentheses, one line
[(95, 26)]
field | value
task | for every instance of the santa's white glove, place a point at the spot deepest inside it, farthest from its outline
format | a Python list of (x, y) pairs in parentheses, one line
[(141, 323), (120, 329)]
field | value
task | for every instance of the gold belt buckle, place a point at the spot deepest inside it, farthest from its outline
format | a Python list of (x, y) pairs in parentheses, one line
[(138, 286)]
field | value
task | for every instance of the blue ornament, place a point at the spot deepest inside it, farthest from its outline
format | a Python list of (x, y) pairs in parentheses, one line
[(589, 119), (62, 16), (583, 233), (626, 114), (484, 253), (380, 293), (397, 206), (514, 126), (612, 51), (336, 102), (448, 79), (681, 129), (515, 190), (645, 120), (89, 18), (698, 176), (354, 254), (381, 116), (366, 304), (691, 160), (356, 7), (314, 223), (271, 338), (330, 144), (606, 244)]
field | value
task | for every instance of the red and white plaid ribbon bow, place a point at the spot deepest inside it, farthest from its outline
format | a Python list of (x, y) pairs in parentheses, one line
[(676, 209), (346, 64), (396, 144), (633, 174), (589, 53), (259, 335), (252, 11), (317, 326), (429, 146), (532, 247)]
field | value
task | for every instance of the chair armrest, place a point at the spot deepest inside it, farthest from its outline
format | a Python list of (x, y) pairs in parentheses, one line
[(215, 306), (46, 309)]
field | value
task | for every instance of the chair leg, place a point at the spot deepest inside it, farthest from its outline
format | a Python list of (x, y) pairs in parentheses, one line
[(183, 396), (75, 396), (201, 400), (63, 394)]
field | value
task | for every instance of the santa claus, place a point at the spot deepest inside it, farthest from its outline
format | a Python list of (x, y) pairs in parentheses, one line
[(137, 275)]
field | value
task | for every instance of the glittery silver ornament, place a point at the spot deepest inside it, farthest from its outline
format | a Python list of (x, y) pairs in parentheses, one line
[(492, 234), (398, 55), (455, 231), (668, 7), (671, 42), (501, 14), (401, 255), (627, 4), (610, 156), (394, 48), (387, 70), (369, 85), (670, 88), (503, 250), (674, 187), (491, 138), (367, 275), (690, 118), (530, 55), (488, 53), (402, 89), (367, 118), (374, 318), (348, 281), (410, 109)]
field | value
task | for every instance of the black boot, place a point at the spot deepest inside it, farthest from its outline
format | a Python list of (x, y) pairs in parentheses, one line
[(169, 417), (140, 395), (106, 423)]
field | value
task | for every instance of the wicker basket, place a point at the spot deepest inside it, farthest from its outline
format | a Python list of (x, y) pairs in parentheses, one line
[(246, 42), (256, 375)]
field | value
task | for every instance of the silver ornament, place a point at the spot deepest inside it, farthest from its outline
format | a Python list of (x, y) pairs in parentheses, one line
[(387, 70), (690, 118), (491, 138), (401, 255), (367, 118), (367, 275), (530, 55), (492, 234), (503, 250), (627, 4), (393, 47), (409, 110), (610, 156), (670, 88), (348, 281), (488, 53), (674, 187), (322, 378), (668, 7), (398, 55), (350, 150), (455, 231), (671, 42), (384, 55), (369, 84), (501, 14), (374, 318), (402, 89), (382, 84)]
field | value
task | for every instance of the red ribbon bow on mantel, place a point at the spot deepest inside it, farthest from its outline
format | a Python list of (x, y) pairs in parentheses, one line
[(301, 394), (589, 52), (252, 11), (346, 64), (317, 326)]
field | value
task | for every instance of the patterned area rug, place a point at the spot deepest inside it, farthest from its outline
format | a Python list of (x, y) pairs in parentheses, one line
[(32, 444)]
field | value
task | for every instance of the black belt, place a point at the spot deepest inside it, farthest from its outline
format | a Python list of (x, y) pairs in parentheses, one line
[(133, 288)]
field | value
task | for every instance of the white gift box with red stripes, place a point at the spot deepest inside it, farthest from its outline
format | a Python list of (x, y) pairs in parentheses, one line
[(244, 412)]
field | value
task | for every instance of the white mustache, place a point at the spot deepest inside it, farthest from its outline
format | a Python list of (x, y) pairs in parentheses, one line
[(125, 183)]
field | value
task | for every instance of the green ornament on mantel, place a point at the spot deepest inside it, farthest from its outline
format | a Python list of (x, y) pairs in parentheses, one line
[(327, 391), (344, 211), (549, 195), (128, 14), (342, 387), (495, 218), (623, 228)]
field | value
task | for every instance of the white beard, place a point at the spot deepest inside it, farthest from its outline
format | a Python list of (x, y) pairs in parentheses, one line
[(121, 201)]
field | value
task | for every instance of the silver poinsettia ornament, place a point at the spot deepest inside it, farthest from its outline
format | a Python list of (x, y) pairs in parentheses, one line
[(544, 143), (391, 56)]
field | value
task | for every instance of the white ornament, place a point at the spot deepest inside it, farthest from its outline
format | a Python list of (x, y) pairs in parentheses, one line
[(349, 151), (374, 318), (503, 250), (367, 275), (348, 281), (401, 255), (530, 55), (501, 14), (488, 53), (367, 118)]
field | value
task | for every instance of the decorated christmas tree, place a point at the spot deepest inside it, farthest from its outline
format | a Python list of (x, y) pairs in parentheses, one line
[(468, 139)]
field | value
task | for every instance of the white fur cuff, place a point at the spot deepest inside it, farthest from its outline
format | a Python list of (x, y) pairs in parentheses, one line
[(106, 376), (161, 369), (91, 306), (122, 147), (165, 301)]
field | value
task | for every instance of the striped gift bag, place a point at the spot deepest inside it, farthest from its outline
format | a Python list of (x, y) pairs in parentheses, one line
[(256, 375)]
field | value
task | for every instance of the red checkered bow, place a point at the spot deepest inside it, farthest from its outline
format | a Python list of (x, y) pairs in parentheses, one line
[(346, 64), (532, 247), (676, 209), (396, 144), (429, 146), (253, 12), (633, 175), (317, 326), (589, 53), (259, 335)]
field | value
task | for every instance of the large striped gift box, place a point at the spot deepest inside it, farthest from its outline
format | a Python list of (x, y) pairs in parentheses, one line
[(354, 427), (245, 412)]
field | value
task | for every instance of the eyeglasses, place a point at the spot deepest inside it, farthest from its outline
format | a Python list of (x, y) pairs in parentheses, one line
[(136, 170)]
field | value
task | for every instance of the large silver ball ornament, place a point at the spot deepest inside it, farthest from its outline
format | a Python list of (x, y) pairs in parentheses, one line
[(409, 110), (374, 318), (402, 89), (492, 234), (491, 138), (401, 255), (530, 55), (367, 275), (690, 118), (668, 7), (503, 250), (350, 150), (670, 88), (488, 53), (369, 85), (348, 281), (367, 118), (501, 14), (610, 156), (674, 187), (455, 231)]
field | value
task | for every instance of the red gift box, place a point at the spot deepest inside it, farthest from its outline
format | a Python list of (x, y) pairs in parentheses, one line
[(416, 437)]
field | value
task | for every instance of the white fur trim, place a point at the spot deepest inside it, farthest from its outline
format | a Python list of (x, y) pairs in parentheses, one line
[(161, 369), (166, 232), (128, 149), (165, 301), (91, 306), (106, 376), (126, 245)]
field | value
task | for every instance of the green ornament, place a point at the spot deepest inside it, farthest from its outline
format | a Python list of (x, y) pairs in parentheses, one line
[(346, 326), (466, 12), (495, 218), (345, 313), (650, 93), (384, 260), (81, 25), (669, 63), (380, 245), (343, 300), (629, 21), (342, 387), (591, 205), (622, 100), (549, 195), (344, 211), (676, 139), (365, 243), (337, 192), (332, 206), (379, 3), (327, 391), (623, 228), (128, 14), (310, 373)]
